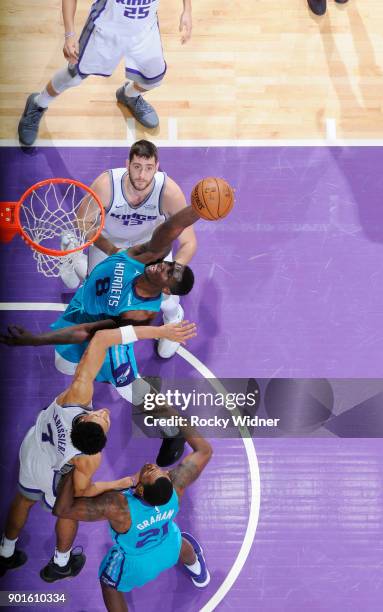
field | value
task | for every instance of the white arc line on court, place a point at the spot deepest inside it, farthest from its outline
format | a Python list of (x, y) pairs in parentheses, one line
[(255, 483)]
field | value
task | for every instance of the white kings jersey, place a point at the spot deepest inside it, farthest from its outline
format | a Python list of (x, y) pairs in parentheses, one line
[(52, 433), (126, 16), (126, 225)]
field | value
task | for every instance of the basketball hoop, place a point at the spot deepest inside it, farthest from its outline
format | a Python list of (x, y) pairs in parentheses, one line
[(58, 218)]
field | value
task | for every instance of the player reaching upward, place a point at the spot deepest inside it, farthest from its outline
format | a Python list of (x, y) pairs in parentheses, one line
[(147, 541), (113, 30), (126, 288), (69, 435), (136, 198)]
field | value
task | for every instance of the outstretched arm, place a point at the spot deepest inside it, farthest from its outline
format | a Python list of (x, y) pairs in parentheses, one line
[(191, 467), (75, 334), (110, 506), (85, 467), (81, 389), (164, 236)]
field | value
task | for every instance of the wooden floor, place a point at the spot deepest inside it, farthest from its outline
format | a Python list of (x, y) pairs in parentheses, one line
[(265, 69)]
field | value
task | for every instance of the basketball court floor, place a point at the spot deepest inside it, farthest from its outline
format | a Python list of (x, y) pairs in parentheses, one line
[(288, 288)]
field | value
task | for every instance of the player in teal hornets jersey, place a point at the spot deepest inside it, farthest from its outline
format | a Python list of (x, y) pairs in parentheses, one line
[(123, 289), (147, 541), (127, 286)]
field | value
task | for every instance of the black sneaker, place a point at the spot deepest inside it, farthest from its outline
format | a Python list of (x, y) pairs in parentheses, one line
[(30, 121), (171, 450), (16, 560), (52, 572), (317, 6)]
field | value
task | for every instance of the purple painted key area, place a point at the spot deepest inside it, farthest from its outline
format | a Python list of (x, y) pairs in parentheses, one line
[(289, 285)]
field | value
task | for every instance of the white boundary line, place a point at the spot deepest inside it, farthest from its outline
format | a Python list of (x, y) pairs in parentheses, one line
[(32, 306), (331, 130), (203, 143), (250, 452)]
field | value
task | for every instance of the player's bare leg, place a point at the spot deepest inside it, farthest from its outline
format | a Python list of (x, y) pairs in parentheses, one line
[(187, 554), (17, 515), (66, 530), (130, 95), (37, 103), (10, 557), (114, 600)]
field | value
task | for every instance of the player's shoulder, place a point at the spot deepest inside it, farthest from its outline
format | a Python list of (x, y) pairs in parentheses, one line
[(87, 464), (173, 198)]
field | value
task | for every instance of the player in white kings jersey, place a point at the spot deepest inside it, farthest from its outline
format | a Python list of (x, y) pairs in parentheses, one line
[(115, 29), (70, 435), (137, 198)]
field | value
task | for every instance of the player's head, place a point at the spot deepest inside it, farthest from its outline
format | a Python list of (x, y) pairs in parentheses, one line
[(170, 277), (89, 431), (155, 486), (142, 164)]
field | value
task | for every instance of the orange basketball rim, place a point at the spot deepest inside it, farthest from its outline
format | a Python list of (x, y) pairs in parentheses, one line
[(50, 208)]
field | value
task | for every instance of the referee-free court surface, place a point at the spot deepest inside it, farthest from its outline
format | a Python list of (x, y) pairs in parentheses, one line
[(288, 286)]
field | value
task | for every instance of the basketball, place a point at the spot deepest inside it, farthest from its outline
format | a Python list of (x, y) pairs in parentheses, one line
[(212, 198)]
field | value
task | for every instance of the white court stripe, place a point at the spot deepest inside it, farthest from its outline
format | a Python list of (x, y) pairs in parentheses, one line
[(130, 132), (255, 483), (331, 129), (344, 142), (172, 130), (32, 306)]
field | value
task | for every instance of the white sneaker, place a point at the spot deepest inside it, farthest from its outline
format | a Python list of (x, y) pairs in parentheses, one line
[(68, 241), (80, 263), (167, 348), (69, 277), (75, 270)]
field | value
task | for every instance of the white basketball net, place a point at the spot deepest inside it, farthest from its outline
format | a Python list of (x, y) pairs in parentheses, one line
[(60, 216)]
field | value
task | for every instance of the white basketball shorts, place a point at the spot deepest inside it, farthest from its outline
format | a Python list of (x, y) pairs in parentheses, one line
[(37, 480), (102, 48)]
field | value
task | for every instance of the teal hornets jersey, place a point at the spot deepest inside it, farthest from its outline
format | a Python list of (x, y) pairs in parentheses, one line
[(110, 288), (150, 546), (151, 525)]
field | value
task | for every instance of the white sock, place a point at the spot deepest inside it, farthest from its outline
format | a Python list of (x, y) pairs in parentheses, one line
[(195, 567), (131, 91), (61, 558), (7, 547), (43, 99)]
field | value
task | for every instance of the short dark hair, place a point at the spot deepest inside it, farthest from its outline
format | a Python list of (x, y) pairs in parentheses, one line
[(143, 148), (184, 286), (88, 437), (158, 493)]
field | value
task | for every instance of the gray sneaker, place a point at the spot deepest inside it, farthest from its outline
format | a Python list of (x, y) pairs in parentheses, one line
[(30, 121), (141, 110)]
